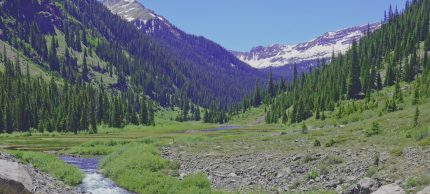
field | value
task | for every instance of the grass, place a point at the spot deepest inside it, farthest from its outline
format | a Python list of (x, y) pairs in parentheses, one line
[(140, 168), (418, 181), (134, 160), (95, 148), (52, 165)]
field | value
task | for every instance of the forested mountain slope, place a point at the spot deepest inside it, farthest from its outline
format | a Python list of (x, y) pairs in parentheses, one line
[(124, 55), (232, 75), (397, 52)]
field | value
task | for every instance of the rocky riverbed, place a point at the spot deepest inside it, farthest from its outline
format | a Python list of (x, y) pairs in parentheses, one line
[(344, 170), (16, 177)]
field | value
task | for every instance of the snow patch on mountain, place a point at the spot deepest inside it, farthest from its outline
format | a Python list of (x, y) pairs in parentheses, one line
[(322, 47), (144, 19)]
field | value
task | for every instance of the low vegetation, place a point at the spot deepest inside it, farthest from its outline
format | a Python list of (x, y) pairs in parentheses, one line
[(52, 165), (140, 168)]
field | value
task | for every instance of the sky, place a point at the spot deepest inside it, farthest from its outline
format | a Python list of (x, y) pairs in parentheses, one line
[(243, 24)]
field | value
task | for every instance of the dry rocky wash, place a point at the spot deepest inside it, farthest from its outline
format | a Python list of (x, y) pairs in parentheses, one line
[(342, 170)]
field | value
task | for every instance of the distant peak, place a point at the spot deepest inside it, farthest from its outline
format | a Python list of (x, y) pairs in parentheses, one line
[(320, 47)]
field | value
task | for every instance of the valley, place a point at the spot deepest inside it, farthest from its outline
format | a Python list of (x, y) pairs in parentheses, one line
[(111, 97)]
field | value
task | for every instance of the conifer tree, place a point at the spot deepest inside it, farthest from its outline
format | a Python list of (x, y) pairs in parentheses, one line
[(85, 68), (354, 83), (416, 116), (271, 87), (143, 112)]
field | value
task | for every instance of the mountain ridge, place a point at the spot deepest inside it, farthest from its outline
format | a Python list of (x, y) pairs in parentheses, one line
[(278, 55), (201, 53)]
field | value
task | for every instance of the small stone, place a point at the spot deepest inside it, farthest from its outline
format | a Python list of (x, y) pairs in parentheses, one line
[(297, 158), (232, 174)]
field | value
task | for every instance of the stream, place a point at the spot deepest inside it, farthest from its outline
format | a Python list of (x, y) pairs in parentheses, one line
[(94, 182)]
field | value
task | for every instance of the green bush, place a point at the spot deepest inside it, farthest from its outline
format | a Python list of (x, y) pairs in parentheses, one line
[(317, 143), (371, 171), (330, 143), (374, 130), (421, 133), (52, 165), (305, 128), (312, 175), (423, 180), (396, 152)]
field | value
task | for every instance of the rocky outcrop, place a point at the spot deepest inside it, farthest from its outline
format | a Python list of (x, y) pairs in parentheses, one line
[(16, 177), (390, 189), (364, 186), (11, 186)]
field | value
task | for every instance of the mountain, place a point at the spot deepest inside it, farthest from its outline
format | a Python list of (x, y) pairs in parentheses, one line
[(201, 53), (322, 47)]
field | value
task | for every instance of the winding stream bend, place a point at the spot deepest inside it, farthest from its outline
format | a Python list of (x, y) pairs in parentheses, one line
[(94, 181)]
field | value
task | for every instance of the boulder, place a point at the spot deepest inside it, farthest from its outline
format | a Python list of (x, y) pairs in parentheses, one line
[(390, 189), (13, 172), (425, 190), (364, 186)]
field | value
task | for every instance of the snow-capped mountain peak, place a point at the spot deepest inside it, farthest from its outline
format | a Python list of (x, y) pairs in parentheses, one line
[(321, 47), (143, 18)]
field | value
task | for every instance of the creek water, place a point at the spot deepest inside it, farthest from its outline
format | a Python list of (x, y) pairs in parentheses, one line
[(94, 181)]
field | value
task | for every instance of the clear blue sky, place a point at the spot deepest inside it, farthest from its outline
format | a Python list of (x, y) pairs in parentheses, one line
[(242, 24)]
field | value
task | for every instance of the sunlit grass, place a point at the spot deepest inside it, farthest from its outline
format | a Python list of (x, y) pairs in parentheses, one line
[(52, 165), (140, 168)]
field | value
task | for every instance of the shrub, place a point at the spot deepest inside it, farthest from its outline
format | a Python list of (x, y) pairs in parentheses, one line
[(317, 143), (424, 142), (332, 160), (308, 158), (423, 180), (421, 134), (324, 169), (396, 152), (371, 171), (330, 143), (312, 175), (374, 130), (305, 129)]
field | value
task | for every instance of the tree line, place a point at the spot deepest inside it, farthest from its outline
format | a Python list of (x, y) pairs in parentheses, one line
[(396, 52), (33, 103)]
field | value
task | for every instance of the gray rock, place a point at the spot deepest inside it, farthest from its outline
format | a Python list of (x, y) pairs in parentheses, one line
[(297, 158), (283, 172), (332, 184), (364, 186), (425, 190), (390, 189)]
